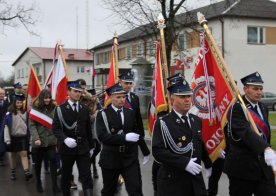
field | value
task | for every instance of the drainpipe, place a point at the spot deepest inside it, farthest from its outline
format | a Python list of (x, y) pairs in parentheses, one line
[(222, 36)]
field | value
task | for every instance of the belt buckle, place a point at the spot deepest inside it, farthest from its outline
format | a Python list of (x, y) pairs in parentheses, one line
[(122, 148), (79, 139)]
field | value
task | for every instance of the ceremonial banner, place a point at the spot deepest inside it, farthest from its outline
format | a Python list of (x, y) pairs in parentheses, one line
[(111, 78), (158, 100), (34, 88), (212, 97)]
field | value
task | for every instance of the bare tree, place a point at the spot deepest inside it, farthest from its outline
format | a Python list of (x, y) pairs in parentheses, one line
[(144, 13), (15, 15), (137, 13)]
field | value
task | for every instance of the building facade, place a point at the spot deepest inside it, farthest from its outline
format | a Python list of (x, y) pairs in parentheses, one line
[(79, 64)]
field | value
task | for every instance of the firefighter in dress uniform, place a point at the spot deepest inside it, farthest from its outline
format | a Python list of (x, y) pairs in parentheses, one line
[(250, 158), (177, 145), (132, 101), (117, 130), (72, 127)]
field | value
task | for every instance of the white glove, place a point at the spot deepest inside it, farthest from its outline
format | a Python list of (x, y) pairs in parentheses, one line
[(270, 157), (132, 137), (146, 159), (208, 172), (91, 152), (70, 142), (222, 154), (193, 167)]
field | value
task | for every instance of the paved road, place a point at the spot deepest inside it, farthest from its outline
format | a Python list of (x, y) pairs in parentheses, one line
[(22, 188)]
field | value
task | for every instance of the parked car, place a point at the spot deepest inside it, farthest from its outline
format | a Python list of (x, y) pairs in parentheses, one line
[(269, 99)]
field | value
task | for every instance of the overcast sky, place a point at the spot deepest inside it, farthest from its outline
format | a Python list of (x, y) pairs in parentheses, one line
[(58, 21)]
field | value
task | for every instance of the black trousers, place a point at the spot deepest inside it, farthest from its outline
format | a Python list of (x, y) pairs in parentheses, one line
[(97, 150), (241, 187), (38, 155), (131, 175), (217, 168), (155, 168), (83, 164)]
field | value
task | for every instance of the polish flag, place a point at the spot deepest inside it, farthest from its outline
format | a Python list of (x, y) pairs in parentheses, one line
[(59, 82), (41, 118)]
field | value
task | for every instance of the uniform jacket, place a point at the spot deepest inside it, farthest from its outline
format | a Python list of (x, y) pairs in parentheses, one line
[(82, 130), (42, 133), (245, 159), (172, 164), (110, 157), (135, 104), (3, 111)]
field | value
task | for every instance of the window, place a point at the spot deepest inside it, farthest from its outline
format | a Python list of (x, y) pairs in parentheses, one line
[(151, 49), (128, 52), (22, 73), (106, 57), (140, 50), (255, 35), (97, 59), (18, 73), (27, 72), (80, 69), (181, 42)]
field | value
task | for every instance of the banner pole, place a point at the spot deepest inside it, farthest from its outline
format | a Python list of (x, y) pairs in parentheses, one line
[(223, 67), (161, 25)]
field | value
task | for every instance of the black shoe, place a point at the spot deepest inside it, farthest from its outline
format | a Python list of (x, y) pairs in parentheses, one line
[(39, 188), (13, 176), (28, 176), (2, 163)]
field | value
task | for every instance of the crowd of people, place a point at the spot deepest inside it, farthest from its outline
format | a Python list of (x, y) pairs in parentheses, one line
[(79, 129)]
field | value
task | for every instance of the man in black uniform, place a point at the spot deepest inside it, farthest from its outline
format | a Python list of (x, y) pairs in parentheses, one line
[(250, 159), (177, 145), (116, 129), (132, 101), (71, 125), (17, 91), (4, 104)]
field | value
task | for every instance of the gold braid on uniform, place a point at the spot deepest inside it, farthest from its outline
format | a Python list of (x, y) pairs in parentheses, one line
[(169, 140)]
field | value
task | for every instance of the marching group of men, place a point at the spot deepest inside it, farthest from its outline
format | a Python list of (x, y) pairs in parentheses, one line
[(177, 144)]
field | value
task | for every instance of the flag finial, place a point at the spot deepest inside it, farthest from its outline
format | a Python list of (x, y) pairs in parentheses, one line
[(201, 19)]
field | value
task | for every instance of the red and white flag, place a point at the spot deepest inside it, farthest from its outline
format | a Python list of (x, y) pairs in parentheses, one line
[(34, 88), (158, 100), (41, 118), (57, 77), (212, 97), (59, 82)]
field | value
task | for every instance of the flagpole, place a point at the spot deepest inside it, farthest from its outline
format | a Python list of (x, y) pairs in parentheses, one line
[(161, 25), (63, 60), (224, 70), (115, 56)]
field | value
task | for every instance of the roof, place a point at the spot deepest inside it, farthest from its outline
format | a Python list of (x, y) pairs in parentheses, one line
[(48, 54), (262, 9)]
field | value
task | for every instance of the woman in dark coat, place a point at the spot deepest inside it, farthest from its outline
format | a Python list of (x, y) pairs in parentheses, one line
[(42, 137)]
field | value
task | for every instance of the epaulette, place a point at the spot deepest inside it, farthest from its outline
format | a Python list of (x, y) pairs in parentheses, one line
[(166, 115)]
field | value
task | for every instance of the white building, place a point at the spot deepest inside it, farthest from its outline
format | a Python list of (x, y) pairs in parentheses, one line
[(78, 61), (244, 30)]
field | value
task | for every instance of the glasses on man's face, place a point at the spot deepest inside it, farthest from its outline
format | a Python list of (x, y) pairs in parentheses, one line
[(128, 83)]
